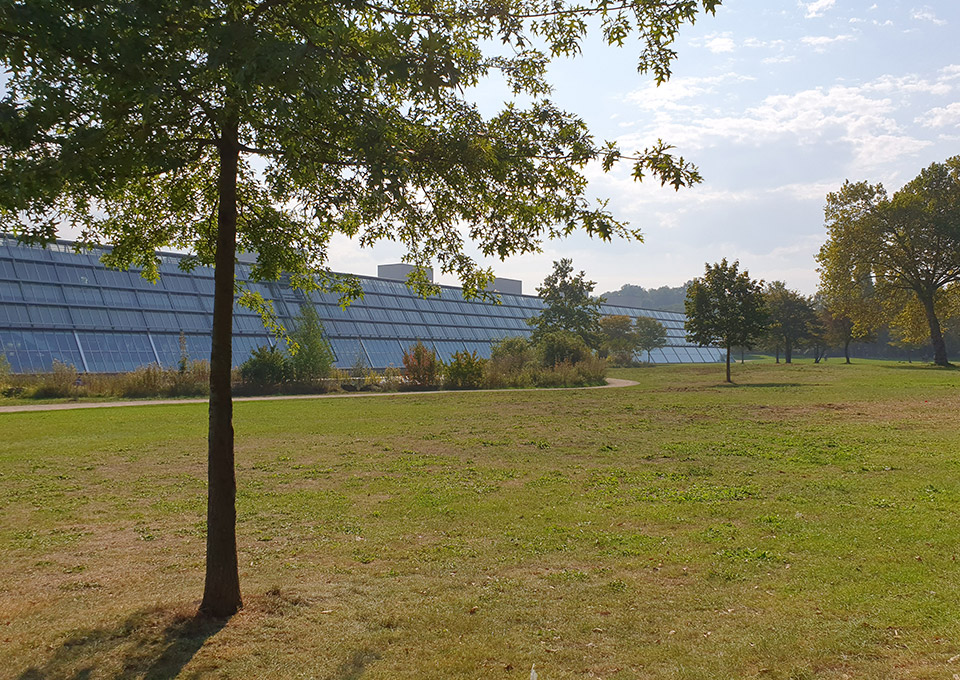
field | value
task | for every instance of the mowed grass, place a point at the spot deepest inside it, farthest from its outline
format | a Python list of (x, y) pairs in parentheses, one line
[(800, 524)]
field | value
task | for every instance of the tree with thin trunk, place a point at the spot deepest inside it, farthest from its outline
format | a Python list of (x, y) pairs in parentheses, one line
[(725, 308), (650, 334), (790, 318), (909, 243), (272, 126)]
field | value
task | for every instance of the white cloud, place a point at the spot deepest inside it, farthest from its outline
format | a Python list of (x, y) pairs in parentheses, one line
[(816, 8), (720, 45), (940, 117), (926, 14), (868, 120), (675, 94), (820, 42)]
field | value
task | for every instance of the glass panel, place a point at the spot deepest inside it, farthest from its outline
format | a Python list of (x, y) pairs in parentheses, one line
[(383, 353), (153, 299), (83, 275), (91, 317), (119, 298), (126, 319), (6, 270), (116, 352), (14, 314), (35, 351), (82, 295), (347, 352), (186, 302), (10, 290)]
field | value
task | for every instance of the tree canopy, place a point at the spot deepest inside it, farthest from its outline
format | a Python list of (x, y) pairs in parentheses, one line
[(725, 307), (271, 126), (790, 317), (568, 305), (906, 247)]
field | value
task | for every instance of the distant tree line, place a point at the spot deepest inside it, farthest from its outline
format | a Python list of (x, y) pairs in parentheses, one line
[(664, 298)]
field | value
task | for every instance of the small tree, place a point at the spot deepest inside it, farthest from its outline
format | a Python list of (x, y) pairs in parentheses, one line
[(422, 367), (311, 357), (791, 317), (568, 305), (266, 369), (465, 371), (725, 307), (650, 335), (618, 338)]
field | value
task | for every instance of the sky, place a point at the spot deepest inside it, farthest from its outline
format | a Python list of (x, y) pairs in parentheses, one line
[(777, 102)]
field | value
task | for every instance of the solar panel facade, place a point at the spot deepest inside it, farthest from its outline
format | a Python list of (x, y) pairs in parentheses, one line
[(56, 304)]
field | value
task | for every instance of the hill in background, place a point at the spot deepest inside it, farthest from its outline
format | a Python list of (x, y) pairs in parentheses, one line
[(663, 298)]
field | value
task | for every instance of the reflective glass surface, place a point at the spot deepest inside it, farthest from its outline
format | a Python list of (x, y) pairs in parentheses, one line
[(56, 302)]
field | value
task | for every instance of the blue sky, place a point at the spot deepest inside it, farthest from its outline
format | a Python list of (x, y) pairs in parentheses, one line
[(777, 102)]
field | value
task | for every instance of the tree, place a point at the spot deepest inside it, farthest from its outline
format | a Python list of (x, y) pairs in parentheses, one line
[(650, 334), (311, 357), (838, 327), (790, 317), (725, 308), (268, 127), (568, 305), (618, 338), (907, 243)]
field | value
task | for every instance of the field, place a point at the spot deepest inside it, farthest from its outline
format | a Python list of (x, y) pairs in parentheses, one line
[(802, 523)]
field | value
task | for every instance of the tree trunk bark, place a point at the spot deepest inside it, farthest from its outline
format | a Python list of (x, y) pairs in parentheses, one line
[(846, 350), (787, 351), (221, 590), (728, 364), (936, 335)]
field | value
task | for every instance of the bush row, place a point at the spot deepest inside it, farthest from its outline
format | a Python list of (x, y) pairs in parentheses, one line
[(558, 360)]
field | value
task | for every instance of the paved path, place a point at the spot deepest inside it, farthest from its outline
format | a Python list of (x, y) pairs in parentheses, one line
[(611, 382)]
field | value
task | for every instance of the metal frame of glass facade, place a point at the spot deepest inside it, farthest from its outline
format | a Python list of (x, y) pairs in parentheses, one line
[(58, 304)]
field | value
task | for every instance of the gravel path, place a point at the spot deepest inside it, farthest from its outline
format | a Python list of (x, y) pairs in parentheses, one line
[(611, 382)]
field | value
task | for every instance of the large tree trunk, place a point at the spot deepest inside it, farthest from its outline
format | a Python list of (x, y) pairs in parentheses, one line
[(787, 351), (846, 350), (728, 364), (936, 335), (221, 590)]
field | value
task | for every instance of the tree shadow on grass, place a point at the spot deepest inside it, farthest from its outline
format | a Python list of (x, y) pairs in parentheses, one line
[(768, 384), (153, 644), (353, 668), (923, 367)]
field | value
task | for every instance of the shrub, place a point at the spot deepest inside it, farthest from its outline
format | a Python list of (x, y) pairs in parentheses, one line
[(508, 359), (146, 381), (266, 369), (390, 380), (557, 347), (422, 367), (4, 371), (60, 383), (465, 371), (191, 381)]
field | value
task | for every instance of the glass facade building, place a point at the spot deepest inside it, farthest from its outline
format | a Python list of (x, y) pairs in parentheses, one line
[(57, 304)]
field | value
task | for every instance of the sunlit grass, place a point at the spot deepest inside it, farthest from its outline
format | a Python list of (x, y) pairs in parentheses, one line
[(800, 523)]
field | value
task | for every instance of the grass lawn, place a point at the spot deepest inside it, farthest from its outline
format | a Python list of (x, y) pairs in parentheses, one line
[(800, 524)]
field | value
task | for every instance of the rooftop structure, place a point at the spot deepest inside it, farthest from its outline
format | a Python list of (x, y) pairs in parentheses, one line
[(57, 304)]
